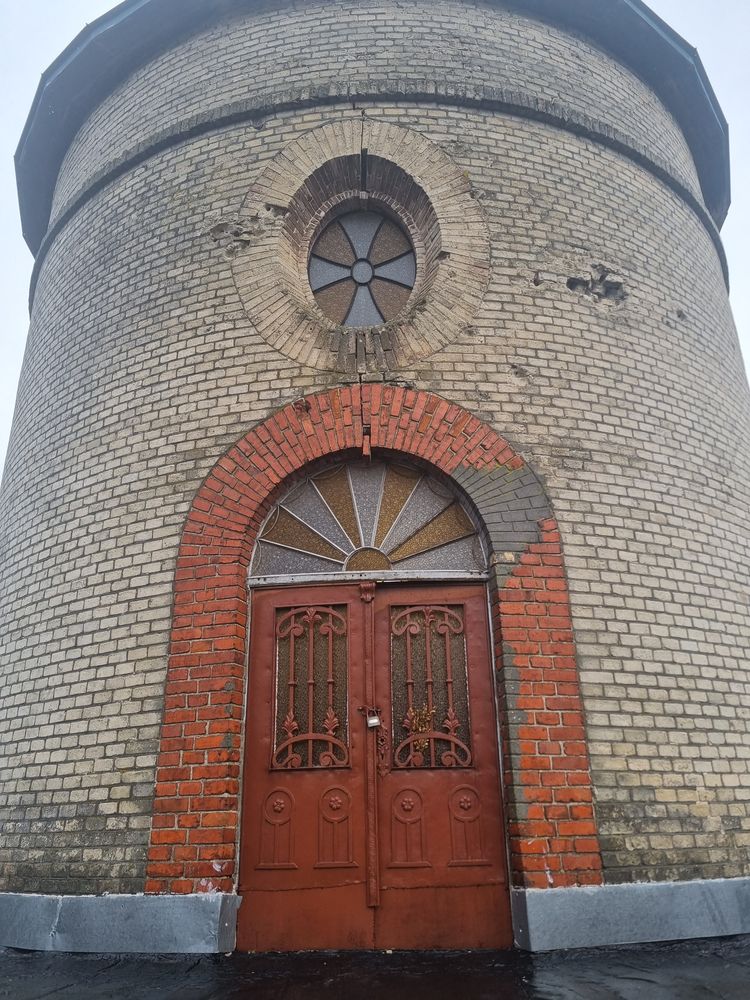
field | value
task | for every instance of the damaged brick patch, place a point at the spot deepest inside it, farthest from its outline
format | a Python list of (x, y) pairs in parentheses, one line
[(601, 285)]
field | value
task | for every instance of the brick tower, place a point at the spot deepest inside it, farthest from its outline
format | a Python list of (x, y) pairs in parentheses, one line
[(374, 525)]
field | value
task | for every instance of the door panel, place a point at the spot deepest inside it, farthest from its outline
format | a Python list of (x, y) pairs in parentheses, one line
[(385, 835), (442, 845), (302, 853)]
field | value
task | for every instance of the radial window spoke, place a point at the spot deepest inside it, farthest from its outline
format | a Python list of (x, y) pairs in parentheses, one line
[(389, 298), (364, 312), (388, 244), (336, 300), (361, 227), (403, 270), (381, 519), (362, 269), (334, 245), (323, 273)]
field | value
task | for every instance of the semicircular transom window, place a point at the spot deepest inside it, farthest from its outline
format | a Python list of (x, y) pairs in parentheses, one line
[(362, 269), (372, 520)]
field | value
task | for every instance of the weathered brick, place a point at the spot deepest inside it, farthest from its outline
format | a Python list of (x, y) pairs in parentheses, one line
[(143, 370)]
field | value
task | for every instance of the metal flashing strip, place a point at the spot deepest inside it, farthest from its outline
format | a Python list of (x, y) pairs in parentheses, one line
[(376, 576), (203, 924), (632, 913)]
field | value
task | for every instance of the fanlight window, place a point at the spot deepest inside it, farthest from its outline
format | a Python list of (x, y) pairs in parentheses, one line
[(369, 520)]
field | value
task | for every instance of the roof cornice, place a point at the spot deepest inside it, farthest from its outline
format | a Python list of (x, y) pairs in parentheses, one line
[(109, 49)]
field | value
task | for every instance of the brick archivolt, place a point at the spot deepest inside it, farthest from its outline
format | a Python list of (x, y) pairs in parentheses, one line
[(552, 830)]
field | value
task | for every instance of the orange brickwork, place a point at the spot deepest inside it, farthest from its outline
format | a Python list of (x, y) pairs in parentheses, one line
[(556, 843)]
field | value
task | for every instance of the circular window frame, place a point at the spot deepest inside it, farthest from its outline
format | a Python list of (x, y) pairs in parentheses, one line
[(318, 176), (375, 205), (408, 206)]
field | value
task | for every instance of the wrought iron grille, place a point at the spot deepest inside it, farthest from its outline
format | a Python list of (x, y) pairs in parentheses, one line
[(311, 688), (429, 687)]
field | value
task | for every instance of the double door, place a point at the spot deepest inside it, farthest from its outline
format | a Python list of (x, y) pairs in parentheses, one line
[(372, 814)]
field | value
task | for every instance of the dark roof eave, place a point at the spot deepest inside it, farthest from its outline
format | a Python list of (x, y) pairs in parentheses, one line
[(647, 45), (91, 67), (116, 44)]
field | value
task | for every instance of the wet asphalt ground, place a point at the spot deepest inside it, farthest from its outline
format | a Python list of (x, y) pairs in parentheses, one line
[(716, 969)]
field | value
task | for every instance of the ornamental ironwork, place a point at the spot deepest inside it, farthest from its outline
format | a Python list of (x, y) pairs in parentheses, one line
[(311, 688), (429, 686)]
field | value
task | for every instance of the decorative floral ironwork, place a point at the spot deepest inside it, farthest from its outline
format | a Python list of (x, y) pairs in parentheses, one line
[(290, 726), (279, 805), (382, 746), (465, 803), (427, 745), (452, 723), (417, 721), (331, 722), (335, 803), (305, 646)]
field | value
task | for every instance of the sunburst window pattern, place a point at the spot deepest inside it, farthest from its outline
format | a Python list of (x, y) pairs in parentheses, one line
[(378, 518), (362, 269)]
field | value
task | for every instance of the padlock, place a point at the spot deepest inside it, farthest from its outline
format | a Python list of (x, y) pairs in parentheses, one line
[(373, 721)]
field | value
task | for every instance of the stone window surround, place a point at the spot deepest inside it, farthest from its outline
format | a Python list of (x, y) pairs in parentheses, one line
[(320, 175)]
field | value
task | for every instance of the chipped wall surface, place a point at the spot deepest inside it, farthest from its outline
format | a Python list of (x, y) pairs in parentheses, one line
[(603, 350)]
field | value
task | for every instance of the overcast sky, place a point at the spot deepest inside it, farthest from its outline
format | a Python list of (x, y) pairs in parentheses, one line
[(35, 31)]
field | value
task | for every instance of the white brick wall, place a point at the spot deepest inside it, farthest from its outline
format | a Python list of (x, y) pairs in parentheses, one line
[(142, 368)]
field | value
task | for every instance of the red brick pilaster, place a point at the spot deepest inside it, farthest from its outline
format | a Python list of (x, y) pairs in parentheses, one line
[(553, 834)]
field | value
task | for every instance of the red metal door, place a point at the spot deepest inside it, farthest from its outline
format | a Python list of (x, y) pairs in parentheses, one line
[(385, 833), (443, 873)]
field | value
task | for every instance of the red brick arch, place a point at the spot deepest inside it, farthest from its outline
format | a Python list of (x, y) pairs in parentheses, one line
[(552, 831)]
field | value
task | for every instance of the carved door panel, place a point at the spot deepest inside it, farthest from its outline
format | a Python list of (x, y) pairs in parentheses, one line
[(302, 861), (358, 835), (443, 881)]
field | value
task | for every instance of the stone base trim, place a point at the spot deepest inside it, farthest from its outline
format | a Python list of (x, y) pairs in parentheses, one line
[(593, 916), (199, 924), (544, 919)]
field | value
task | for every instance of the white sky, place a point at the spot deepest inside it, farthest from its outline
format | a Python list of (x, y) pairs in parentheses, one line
[(35, 31)]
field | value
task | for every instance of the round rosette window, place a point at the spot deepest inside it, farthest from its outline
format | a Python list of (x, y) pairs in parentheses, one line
[(362, 269), (360, 248)]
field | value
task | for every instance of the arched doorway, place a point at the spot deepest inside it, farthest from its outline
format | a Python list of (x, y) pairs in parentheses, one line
[(372, 813), (551, 830)]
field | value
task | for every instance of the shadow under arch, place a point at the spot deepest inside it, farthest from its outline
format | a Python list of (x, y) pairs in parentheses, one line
[(552, 835)]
